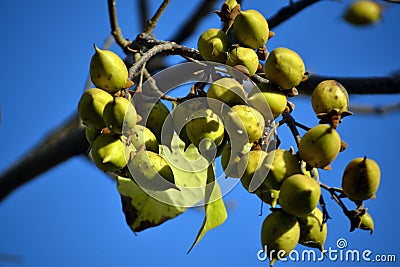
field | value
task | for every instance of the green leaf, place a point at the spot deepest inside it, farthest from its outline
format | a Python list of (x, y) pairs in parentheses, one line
[(141, 210), (145, 209), (215, 211)]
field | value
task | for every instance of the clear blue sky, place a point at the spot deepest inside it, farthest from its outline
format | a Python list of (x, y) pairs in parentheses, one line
[(71, 215)]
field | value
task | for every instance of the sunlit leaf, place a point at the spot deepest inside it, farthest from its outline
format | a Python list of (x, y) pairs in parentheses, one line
[(145, 209), (215, 211)]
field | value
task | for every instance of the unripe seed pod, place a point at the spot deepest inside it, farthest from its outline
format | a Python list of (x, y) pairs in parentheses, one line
[(284, 67), (243, 56), (319, 146), (253, 169), (91, 133), (280, 232), (180, 116), (242, 120), (151, 171), (120, 115), (299, 194), (226, 90), (367, 223), (361, 179), (329, 95), (108, 71), (143, 136), (91, 107), (267, 95), (363, 12), (155, 115), (205, 124), (282, 165), (313, 231), (110, 153), (213, 44), (251, 29), (269, 196)]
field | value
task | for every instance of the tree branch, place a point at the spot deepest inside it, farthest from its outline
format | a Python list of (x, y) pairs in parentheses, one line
[(204, 8), (115, 29), (152, 23), (66, 141), (356, 85), (157, 47), (289, 11)]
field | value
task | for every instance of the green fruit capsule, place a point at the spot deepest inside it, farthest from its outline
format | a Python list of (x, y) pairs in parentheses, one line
[(361, 179), (253, 169), (245, 122), (181, 114), (267, 99), (153, 117), (91, 107), (329, 95), (280, 234), (226, 90), (284, 67), (108, 71), (110, 153), (91, 133), (313, 231), (230, 159), (269, 196), (213, 45), (320, 146), (299, 194), (151, 171), (205, 125), (363, 12), (143, 136), (120, 115), (282, 165), (245, 57), (251, 29), (367, 223)]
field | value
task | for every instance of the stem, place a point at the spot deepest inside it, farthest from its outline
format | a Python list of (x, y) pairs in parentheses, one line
[(152, 23), (115, 29), (158, 47), (291, 123)]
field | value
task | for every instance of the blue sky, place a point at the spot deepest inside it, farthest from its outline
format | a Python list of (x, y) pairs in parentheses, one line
[(71, 215)]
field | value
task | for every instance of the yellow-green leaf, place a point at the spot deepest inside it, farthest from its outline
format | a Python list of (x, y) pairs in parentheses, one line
[(215, 211)]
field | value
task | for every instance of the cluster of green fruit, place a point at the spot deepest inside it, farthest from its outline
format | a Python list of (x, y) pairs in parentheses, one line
[(224, 120), (283, 66), (118, 143), (277, 175)]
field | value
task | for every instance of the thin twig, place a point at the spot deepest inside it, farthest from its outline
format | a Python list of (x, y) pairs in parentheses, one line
[(289, 11), (152, 23), (291, 123), (115, 29), (169, 48), (203, 9)]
